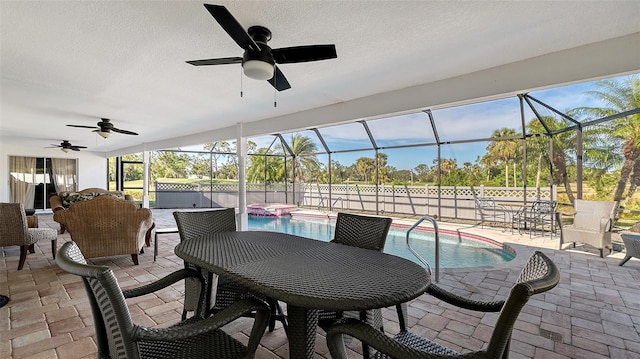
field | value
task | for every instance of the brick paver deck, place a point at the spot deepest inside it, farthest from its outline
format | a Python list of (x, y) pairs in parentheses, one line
[(593, 313)]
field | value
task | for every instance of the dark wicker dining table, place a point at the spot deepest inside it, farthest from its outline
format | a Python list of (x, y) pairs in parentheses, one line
[(307, 275)]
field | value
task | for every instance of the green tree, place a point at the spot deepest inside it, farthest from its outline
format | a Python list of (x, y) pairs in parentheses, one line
[(168, 164), (304, 160), (503, 151), (564, 144), (217, 150), (616, 97), (201, 167), (265, 168), (365, 166)]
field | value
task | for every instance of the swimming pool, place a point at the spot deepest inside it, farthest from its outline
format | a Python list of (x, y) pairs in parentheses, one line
[(455, 251)]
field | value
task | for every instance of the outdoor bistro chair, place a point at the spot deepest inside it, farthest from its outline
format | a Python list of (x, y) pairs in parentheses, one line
[(118, 337), (366, 232), (487, 210), (195, 224), (539, 216), (539, 275)]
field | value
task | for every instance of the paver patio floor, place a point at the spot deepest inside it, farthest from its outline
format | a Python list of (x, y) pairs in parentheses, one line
[(593, 313)]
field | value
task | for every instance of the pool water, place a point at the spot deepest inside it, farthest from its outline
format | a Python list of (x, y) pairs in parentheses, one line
[(455, 251)]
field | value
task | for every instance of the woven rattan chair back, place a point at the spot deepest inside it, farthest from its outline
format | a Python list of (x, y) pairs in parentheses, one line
[(107, 301), (540, 274), (367, 232), (195, 224), (13, 225), (15, 231), (119, 338)]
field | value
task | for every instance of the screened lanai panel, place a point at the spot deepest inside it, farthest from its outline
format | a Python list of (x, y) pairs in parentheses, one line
[(478, 120), (303, 142), (259, 144), (348, 136), (402, 130)]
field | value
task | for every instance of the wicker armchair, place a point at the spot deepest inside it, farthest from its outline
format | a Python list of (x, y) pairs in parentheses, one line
[(367, 232), (118, 337), (107, 226), (194, 224), (592, 224), (59, 202), (539, 275), (15, 231)]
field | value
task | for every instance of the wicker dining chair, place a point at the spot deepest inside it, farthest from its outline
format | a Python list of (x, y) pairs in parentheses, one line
[(361, 231), (539, 275), (119, 337), (197, 223), (16, 231)]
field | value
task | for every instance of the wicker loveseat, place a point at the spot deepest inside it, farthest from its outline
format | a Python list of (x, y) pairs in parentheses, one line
[(106, 226)]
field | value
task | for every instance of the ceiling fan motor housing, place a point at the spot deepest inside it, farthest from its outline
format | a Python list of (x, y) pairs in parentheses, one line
[(259, 65)]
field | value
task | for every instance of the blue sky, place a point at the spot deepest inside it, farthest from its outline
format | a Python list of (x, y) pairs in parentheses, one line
[(457, 123)]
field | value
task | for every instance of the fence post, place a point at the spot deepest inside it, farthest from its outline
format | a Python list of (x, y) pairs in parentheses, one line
[(455, 201)]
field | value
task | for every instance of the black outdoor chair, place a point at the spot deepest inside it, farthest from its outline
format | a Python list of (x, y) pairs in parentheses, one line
[(195, 224), (361, 231), (118, 337), (539, 275)]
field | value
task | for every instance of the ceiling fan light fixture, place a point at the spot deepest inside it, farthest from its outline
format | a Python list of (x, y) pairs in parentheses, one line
[(258, 70), (105, 134), (65, 150)]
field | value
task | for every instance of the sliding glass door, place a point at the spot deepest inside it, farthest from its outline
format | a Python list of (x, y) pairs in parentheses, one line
[(34, 179)]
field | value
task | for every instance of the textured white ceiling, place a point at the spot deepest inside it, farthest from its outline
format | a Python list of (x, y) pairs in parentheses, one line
[(73, 62)]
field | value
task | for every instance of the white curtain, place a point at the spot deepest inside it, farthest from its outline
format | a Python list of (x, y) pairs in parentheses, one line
[(22, 182), (63, 171)]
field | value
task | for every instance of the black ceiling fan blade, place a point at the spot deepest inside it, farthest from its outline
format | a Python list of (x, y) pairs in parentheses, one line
[(287, 55), (124, 131), (232, 27), (279, 81), (219, 61), (82, 126), (75, 148)]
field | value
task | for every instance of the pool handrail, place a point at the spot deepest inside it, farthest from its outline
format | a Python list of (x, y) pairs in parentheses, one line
[(437, 249)]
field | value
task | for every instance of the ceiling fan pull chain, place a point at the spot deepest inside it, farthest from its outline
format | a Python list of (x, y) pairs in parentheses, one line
[(275, 93)]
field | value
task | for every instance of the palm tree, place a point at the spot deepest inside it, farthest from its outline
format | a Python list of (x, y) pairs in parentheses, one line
[(616, 97), (304, 160), (265, 168), (504, 150), (563, 145)]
